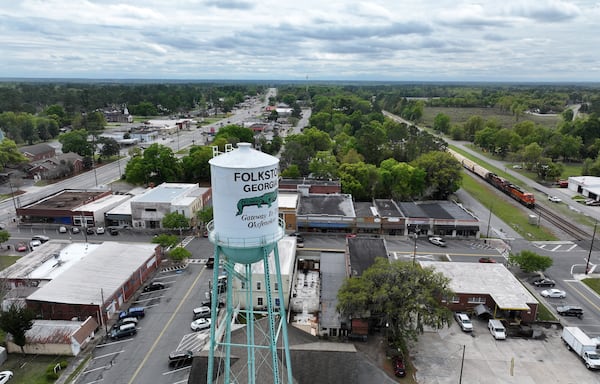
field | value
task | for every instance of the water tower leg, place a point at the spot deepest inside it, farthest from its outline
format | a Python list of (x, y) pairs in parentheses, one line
[(214, 302), (283, 318)]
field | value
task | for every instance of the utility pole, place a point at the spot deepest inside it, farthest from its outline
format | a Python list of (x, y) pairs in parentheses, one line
[(415, 244), (489, 221), (587, 264)]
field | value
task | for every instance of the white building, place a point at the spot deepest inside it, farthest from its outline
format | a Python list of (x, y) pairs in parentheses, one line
[(287, 256), (149, 208)]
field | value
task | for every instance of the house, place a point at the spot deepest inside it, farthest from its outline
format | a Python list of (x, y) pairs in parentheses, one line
[(38, 151), (149, 209), (490, 285), (56, 337), (66, 164), (118, 116)]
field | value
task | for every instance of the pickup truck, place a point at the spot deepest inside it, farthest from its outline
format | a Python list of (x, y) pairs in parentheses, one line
[(582, 345)]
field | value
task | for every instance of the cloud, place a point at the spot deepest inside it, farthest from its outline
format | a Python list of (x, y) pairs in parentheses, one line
[(444, 39)]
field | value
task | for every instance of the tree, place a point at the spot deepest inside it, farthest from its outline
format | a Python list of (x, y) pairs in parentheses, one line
[(324, 165), (444, 173), (17, 320), (9, 154), (175, 220), (530, 261), (179, 253), (110, 147), (291, 172), (195, 166), (4, 236), (205, 215), (157, 165), (441, 123), (236, 134), (400, 294), (76, 141), (165, 240)]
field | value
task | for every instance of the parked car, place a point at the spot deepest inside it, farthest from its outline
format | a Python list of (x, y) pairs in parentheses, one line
[(41, 238), (62, 229), (486, 260), (100, 230), (123, 331), (21, 247), (201, 312), (34, 244), (436, 240), (133, 311), (90, 230), (179, 359), (554, 199), (75, 230), (544, 283), (200, 324), (399, 367), (126, 320), (5, 376), (554, 293), (570, 310), (464, 322), (113, 231), (154, 286)]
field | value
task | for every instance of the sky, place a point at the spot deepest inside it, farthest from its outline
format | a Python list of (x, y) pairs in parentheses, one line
[(374, 40)]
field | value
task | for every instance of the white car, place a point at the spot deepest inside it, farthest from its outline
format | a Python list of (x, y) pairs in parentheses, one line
[(436, 240), (557, 293), (554, 199), (200, 324), (5, 376), (463, 321), (34, 244), (62, 229), (100, 230)]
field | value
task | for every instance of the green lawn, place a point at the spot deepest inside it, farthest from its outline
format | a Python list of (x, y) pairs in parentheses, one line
[(7, 261), (31, 369), (594, 284), (504, 209), (505, 119)]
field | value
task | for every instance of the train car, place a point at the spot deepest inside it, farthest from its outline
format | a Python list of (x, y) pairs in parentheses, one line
[(498, 182)]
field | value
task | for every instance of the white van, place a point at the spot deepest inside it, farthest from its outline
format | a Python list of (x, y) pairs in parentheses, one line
[(497, 329), (201, 312)]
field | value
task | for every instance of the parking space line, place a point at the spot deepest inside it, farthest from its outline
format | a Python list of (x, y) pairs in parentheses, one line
[(176, 370), (113, 342), (108, 354), (95, 381), (150, 299)]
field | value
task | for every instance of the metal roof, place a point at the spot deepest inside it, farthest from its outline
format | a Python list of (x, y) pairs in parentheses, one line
[(104, 268), (287, 255), (333, 275), (483, 278), (166, 193), (326, 205)]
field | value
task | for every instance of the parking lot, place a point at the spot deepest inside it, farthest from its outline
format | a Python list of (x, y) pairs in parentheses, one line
[(438, 356)]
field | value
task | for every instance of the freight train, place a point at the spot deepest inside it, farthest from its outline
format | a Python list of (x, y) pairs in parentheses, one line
[(514, 191)]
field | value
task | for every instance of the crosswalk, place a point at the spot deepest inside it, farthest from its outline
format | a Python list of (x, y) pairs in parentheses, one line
[(555, 246)]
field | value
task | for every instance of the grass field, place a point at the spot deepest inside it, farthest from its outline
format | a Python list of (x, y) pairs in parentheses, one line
[(31, 369), (7, 261), (506, 119)]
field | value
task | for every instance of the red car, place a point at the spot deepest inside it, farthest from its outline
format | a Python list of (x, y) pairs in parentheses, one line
[(486, 260), (21, 247), (399, 368)]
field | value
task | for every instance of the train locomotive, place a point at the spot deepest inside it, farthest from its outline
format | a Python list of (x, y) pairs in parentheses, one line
[(514, 191)]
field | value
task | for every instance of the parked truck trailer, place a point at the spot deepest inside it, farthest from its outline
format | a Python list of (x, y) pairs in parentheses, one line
[(582, 345)]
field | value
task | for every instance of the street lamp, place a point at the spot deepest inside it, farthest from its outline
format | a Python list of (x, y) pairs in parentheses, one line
[(587, 264)]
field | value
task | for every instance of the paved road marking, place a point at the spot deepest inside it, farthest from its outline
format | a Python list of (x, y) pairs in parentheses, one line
[(109, 354)]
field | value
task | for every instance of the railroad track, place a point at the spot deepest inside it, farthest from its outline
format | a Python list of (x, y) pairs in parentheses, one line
[(559, 222)]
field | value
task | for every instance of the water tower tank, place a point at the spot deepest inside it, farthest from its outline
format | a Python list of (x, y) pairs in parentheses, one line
[(245, 212)]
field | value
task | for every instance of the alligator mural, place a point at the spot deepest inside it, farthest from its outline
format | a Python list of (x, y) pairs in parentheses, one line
[(268, 198)]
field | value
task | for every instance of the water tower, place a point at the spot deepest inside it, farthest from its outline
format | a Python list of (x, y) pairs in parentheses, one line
[(245, 230)]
